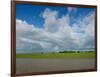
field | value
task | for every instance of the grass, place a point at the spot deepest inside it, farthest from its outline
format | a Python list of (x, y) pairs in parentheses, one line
[(57, 55)]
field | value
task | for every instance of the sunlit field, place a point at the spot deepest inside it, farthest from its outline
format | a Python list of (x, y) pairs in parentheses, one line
[(58, 55)]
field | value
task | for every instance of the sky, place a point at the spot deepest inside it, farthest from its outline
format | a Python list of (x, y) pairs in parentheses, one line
[(54, 28)]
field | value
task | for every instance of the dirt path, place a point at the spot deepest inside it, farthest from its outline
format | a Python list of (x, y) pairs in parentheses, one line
[(43, 65)]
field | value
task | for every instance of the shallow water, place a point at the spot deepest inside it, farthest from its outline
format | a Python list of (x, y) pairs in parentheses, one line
[(24, 65)]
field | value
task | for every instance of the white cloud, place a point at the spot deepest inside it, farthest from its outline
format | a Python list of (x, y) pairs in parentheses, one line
[(71, 9), (57, 34)]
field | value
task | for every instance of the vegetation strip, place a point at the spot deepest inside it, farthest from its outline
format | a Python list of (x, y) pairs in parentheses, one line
[(57, 55)]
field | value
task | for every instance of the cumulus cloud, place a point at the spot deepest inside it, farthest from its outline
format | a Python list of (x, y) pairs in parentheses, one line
[(57, 34), (71, 9)]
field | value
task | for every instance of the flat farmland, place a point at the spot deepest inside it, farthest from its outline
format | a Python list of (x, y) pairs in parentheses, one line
[(57, 55), (54, 61)]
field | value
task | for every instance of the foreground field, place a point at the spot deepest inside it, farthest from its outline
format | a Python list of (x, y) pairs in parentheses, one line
[(27, 65), (57, 55)]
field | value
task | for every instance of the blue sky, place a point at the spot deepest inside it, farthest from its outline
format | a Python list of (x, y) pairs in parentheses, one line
[(31, 13), (54, 28)]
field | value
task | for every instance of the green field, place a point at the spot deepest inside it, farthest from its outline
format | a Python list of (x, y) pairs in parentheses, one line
[(57, 55)]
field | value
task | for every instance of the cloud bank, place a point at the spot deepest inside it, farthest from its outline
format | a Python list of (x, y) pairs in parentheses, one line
[(57, 34)]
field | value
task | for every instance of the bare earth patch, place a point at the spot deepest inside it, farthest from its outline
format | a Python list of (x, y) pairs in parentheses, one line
[(25, 65)]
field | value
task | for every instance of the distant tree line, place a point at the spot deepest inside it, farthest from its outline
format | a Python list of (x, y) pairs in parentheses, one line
[(75, 51), (68, 52)]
